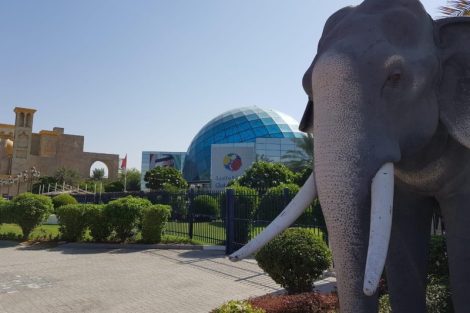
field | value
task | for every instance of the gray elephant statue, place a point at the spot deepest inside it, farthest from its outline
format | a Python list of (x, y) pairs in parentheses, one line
[(389, 106)]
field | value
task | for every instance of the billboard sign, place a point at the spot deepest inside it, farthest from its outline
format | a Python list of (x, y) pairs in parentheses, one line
[(230, 161), (163, 159)]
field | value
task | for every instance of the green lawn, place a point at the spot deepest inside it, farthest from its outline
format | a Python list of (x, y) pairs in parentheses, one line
[(51, 232), (206, 232), (47, 232)]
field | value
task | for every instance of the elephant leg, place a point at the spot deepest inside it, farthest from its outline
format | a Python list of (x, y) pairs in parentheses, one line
[(456, 216), (407, 259)]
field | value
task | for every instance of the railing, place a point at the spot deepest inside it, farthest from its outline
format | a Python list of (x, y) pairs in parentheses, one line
[(226, 218)]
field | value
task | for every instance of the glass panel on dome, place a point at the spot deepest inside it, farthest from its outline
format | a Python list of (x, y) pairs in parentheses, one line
[(256, 123), (277, 135), (272, 129)]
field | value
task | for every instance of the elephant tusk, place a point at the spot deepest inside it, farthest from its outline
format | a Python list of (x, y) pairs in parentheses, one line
[(287, 217), (380, 226)]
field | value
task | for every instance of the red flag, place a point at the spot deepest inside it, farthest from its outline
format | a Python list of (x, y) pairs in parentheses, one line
[(124, 163)]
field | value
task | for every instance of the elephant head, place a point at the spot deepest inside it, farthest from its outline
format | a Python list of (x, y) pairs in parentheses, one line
[(385, 79)]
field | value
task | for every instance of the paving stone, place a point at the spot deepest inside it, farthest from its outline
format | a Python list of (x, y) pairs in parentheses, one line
[(70, 279)]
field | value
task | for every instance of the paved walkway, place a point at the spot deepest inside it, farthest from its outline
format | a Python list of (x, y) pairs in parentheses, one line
[(71, 279)]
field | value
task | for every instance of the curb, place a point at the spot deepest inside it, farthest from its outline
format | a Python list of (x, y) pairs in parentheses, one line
[(138, 246)]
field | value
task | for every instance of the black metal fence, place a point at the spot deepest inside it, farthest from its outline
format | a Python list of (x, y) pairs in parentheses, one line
[(230, 218)]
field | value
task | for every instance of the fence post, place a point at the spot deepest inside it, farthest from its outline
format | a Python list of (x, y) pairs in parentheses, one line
[(229, 220), (190, 213), (286, 196)]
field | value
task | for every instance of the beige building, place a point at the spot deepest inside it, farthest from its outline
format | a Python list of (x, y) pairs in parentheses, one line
[(47, 151)]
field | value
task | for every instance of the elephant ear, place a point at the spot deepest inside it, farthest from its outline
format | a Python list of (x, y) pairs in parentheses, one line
[(453, 39), (306, 124)]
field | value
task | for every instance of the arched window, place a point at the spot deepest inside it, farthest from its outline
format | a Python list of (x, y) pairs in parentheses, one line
[(28, 120), (21, 121), (99, 170)]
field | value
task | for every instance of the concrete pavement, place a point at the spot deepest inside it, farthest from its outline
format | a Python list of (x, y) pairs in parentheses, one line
[(74, 279)]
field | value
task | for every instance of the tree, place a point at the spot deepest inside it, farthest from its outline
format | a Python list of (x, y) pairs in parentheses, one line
[(132, 179), (302, 158), (264, 175), (98, 173), (456, 8), (159, 177), (47, 181), (67, 175)]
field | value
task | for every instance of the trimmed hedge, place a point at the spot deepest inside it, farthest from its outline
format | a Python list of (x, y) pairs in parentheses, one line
[(72, 221), (206, 205), (5, 211), (246, 204), (125, 214), (100, 228), (63, 199), (29, 210), (275, 200), (154, 220), (294, 259)]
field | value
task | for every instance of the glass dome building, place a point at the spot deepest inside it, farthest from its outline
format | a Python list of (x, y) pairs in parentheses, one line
[(236, 126)]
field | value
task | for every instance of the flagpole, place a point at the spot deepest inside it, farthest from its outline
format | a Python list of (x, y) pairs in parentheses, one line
[(124, 169), (125, 180)]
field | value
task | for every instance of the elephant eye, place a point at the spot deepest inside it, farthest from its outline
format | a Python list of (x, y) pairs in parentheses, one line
[(394, 79)]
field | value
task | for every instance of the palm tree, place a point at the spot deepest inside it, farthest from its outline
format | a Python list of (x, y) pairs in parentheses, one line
[(456, 8), (302, 157)]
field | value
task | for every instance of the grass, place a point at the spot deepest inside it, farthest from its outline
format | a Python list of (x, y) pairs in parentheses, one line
[(42, 232), (205, 232), (51, 232)]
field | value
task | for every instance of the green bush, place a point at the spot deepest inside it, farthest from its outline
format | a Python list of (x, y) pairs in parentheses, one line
[(72, 220), (5, 211), (100, 228), (154, 219), (245, 206), (124, 215), (275, 200), (206, 205), (159, 177), (237, 307), (263, 175), (384, 304), (115, 186), (294, 259), (29, 210), (63, 199), (438, 265), (438, 296)]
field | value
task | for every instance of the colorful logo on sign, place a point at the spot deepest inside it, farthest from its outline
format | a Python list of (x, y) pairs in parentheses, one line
[(232, 162)]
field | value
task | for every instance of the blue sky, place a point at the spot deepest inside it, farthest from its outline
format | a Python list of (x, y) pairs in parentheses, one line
[(147, 75)]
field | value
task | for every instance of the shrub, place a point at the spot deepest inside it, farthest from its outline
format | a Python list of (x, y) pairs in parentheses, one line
[(245, 206), (124, 215), (307, 302), (5, 211), (294, 259), (154, 219), (275, 200), (72, 220), (207, 206), (264, 175), (438, 263), (384, 304), (63, 199), (438, 296), (158, 177), (100, 228), (28, 210), (115, 186), (237, 307)]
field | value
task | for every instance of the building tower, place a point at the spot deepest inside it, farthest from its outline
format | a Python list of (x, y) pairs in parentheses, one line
[(22, 141)]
